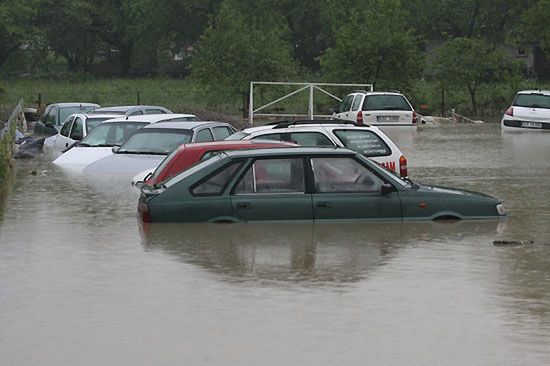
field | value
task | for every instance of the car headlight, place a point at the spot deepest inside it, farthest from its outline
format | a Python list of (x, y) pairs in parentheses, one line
[(501, 210)]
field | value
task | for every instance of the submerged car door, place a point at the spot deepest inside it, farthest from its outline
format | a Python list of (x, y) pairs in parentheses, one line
[(346, 189), (273, 190), (62, 139)]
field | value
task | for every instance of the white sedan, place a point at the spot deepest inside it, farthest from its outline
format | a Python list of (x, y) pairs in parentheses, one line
[(74, 129), (114, 132)]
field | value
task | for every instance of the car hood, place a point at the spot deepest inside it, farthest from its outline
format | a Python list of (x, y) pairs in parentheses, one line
[(80, 156), (124, 164), (532, 114), (453, 191)]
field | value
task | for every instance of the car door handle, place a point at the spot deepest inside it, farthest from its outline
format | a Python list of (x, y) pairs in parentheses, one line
[(66, 144), (243, 205), (323, 204)]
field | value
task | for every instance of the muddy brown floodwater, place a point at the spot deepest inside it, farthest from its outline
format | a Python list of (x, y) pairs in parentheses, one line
[(82, 284)]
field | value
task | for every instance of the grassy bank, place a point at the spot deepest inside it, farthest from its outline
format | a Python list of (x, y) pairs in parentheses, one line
[(6, 143), (183, 95)]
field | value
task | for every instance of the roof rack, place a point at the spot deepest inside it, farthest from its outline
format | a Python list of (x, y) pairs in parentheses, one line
[(285, 124)]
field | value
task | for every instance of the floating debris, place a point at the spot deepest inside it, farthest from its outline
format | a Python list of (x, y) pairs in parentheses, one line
[(511, 243)]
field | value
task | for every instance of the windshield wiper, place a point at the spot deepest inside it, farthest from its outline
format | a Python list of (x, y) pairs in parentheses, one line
[(140, 152)]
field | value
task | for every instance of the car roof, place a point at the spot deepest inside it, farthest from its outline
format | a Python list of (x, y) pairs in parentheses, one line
[(187, 125), (304, 125), (152, 118), (74, 104), (294, 151), (220, 144), (378, 92), (543, 92), (127, 108)]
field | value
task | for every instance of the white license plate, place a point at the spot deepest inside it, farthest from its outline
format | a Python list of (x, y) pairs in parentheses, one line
[(531, 124), (387, 119)]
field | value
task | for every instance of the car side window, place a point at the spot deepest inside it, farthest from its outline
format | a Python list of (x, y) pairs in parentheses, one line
[(273, 176), (66, 127), (365, 142), (356, 102), (270, 137), (343, 174), (345, 105), (136, 113), (221, 133), (154, 111), (216, 183), (204, 135), (310, 139), (77, 132), (52, 116)]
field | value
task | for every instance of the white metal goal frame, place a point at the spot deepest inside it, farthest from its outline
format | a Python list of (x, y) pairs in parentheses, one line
[(311, 87)]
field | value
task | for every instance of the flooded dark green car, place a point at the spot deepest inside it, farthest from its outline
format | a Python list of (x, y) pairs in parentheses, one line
[(303, 184)]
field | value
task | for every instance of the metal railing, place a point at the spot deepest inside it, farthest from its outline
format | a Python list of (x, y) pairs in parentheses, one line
[(13, 118), (302, 87)]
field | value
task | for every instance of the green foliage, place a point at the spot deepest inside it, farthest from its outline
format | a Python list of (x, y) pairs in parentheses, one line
[(237, 49), (15, 27), (469, 63), (373, 47), (535, 27)]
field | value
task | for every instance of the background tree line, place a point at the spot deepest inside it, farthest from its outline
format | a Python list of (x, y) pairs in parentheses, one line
[(224, 44)]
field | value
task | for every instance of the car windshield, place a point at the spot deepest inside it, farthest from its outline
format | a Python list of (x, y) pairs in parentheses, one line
[(532, 101), (386, 103), (155, 141), (237, 136), (92, 123), (67, 111), (111, 134)]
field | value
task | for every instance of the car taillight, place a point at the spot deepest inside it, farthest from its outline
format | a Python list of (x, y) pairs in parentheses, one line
[(403, 166), (143, 210), (414, 121), (510, 111), (360, 118)]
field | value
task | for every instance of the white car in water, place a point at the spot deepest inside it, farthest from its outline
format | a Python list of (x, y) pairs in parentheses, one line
[(74, 129), (369, 141), (376, 109), (114, 132), (148, 146), (530, 111)]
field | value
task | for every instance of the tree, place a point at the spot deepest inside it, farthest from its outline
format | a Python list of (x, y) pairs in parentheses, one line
[(68, 29), (374, 47), (469, 63), (534, 25), (238, 47), (14, 26)]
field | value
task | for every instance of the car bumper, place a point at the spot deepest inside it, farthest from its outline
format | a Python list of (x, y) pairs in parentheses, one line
[(525, 124)]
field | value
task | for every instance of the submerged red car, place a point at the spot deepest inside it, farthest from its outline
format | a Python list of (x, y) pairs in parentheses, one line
[(188, 155)]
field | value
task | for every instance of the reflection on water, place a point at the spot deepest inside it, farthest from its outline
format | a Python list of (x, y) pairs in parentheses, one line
[(82, 283), (328, 252)]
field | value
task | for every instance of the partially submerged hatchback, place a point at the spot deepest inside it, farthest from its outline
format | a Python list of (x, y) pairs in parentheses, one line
[(148, 146), (367, 140), (113, 132), (376, 109), (530, 110), (188, 155), (303, 184)]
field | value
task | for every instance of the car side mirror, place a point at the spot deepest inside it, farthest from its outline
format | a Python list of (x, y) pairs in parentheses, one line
[(331, 110), (387, 189), (48, 124), (114, 149), (77, 137)]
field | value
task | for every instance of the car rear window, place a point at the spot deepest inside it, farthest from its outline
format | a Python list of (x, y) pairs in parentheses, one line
[(365, 142), (156, 140), (386, 103), (532, 101)]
